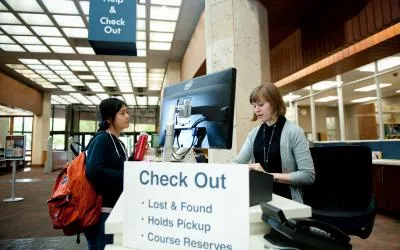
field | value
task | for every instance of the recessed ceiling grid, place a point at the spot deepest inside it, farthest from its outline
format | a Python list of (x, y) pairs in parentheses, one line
[(47, 27)]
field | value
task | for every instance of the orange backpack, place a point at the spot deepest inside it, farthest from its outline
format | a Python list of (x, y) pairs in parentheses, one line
[(74, 205)]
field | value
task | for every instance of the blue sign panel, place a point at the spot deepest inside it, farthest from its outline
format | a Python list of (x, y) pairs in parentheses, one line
[(112, 27)]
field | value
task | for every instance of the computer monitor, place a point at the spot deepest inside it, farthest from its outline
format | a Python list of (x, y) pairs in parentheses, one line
[(201, 111)]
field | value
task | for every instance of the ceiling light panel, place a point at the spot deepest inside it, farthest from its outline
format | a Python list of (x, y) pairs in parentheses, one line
[(162, 26), (95, 87), (46, 31), (69, 98), (372, 87), (60, 6), (138, 70), (138, 74), (6, 39), (116, 64), (96, 100), (95, 63), (86, 77), (81, 98), (364, 99), (76, 32), (66, 88), (141, 11), (52, 62), (141, 52), (164, 13), (49, 86), (140, 45), (141, 24), (129, 99), (85, 50), (168, 2), (37, 48), (31, 6), (37, 67), (107, 83), (161, 37), (62, 49), (153, 100), (137, 65), (79, 68), (16, 29), (2, 7), (383, 64), (327, 99), (85, 7), (290, 97), (103, 96), (155, 87), (55, 41), (29, 61), (158, 71), (11, 47), (140, 84), (141, 35), (8, 18), (69, 21), (36, 19), (28, 40), (74, 63), (59, 68), (55, 99), (141, 100), (16, 66)]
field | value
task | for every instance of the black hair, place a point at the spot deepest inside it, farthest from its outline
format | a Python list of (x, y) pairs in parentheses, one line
[(108, 109)]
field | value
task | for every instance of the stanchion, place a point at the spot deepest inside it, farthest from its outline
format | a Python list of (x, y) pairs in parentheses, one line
[(13, 198)]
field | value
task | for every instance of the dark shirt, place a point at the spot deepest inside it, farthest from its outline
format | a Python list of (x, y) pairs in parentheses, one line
[(271, 160), (104, 168)]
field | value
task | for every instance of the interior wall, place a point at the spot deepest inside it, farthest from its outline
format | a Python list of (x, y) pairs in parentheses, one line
[(4, 124), (321, 114), (195, 54), (11, 93)]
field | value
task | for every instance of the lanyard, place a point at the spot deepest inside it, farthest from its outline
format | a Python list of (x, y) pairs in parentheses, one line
[(269, 145), (122, 146)]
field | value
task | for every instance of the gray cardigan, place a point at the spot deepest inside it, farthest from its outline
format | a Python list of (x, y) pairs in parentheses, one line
[(295, 155)]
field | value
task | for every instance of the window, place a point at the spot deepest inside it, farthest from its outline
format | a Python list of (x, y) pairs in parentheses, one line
[(58, 142), (87, 126)]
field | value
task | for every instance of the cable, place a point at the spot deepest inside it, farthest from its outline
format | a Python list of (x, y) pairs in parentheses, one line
[(198, 121)]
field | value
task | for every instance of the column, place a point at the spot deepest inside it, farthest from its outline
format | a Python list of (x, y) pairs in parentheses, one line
[(41, 131), (237, 36), (341, 106)]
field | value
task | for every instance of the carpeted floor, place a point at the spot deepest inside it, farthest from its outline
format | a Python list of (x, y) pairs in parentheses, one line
[(28, 220)]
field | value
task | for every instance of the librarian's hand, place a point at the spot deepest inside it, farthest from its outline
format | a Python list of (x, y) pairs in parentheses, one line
[(257, 167)]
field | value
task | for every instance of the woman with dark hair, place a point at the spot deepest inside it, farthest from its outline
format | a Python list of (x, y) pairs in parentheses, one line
[(277, 146), (105, 165)]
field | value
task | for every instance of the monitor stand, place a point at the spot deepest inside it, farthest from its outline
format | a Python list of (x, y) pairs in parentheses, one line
[(188, 158)]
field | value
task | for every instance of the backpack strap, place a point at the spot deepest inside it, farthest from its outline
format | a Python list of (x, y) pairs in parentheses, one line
[(74, 151), (115, 146), (78, 240)]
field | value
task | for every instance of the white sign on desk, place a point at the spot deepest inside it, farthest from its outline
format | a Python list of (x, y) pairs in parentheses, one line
[(186, 206)]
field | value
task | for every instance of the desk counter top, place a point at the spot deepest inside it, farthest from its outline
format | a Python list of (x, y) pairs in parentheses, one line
[(390, 162)]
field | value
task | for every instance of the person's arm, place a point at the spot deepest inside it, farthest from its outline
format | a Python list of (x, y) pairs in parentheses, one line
[(246, 151), (97, 173), (278, 177), (305, 174)]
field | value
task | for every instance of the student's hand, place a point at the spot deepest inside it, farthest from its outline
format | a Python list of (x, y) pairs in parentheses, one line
[(257, 167)]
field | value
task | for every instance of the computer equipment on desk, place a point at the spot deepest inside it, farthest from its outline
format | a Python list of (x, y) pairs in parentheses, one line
[(260, 187), (304, 233)]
